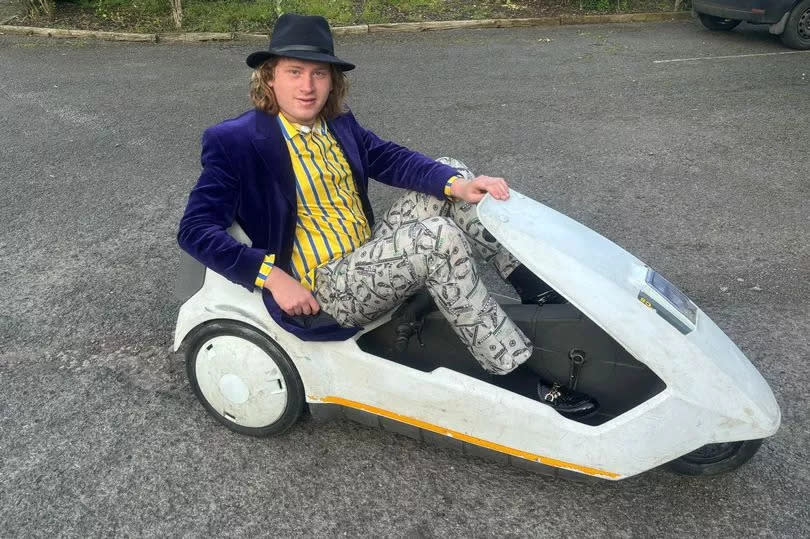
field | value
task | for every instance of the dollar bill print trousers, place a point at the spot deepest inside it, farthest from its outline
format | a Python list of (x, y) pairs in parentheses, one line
[(424, 242)]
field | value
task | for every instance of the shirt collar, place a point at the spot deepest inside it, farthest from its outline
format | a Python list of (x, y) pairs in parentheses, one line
[(291, 130)]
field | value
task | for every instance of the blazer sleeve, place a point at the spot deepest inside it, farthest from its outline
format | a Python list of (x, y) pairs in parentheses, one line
[(398, 166), (211, 209)]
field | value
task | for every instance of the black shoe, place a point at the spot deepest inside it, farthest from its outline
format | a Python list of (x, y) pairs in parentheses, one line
[(532, 289), (410, 317), (572, 404)]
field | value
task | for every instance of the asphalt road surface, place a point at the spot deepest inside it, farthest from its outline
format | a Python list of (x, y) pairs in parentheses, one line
[(698, 167)]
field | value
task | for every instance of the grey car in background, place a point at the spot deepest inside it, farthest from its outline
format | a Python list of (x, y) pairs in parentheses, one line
[(789, 19)]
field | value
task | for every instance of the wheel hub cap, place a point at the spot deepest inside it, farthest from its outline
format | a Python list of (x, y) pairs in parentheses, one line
[(234, 389), (804, 24), (241, 381)]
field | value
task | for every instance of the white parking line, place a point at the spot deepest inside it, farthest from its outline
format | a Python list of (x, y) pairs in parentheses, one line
[(726, 57)]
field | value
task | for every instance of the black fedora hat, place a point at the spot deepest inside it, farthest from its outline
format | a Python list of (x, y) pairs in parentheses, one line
[(306, 37)]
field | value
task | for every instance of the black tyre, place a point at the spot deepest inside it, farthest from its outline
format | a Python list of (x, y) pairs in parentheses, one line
[(243, 378), (717, 23), (797, 29), (713, 459)]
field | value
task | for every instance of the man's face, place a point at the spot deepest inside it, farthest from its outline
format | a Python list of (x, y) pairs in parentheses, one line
[(301, 88)]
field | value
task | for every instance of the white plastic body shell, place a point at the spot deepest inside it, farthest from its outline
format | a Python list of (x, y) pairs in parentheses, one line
[(713, 393)]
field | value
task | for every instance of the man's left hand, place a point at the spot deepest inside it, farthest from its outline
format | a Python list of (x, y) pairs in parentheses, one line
[(474, 190)]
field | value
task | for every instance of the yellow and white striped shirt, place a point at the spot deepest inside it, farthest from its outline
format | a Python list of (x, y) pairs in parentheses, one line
[(330, 221)]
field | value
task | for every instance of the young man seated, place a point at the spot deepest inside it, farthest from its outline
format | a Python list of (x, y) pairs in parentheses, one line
[(294, 171)]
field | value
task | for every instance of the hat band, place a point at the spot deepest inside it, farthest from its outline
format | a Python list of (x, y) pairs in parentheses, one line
[(310, 48)]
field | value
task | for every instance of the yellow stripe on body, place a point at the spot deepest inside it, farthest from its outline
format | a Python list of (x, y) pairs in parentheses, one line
[(465, 437)]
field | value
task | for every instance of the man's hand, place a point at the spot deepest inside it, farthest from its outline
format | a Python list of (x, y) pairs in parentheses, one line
[(293, 298), (474, 190)]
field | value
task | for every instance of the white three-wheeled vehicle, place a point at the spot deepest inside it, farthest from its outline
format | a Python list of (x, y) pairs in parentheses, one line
[(671, 386)]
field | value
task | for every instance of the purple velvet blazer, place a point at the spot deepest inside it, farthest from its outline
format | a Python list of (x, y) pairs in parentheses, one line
[(247, 177)]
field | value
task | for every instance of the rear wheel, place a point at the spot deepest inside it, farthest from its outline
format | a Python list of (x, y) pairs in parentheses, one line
[(717, 23), (713, 459), (244, 379), (797, 29)]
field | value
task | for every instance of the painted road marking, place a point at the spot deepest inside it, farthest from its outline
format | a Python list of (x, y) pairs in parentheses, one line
[(727, 57)]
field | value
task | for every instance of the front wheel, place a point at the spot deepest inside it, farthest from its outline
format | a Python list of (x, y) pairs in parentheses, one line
[(717, 23), (244, 379), (797, 29), (713, 459)]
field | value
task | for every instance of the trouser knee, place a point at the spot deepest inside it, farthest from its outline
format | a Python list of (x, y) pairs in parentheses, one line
[(458, 165), (444, 236)]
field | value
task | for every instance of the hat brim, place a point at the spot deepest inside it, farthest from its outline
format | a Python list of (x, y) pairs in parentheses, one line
[(258, 58)]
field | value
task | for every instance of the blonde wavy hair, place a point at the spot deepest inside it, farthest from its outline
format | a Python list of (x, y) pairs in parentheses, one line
[(263, 97)]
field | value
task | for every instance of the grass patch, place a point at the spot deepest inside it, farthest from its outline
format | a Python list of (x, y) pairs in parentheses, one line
[(259, 16), (228, 16), (380, 11)]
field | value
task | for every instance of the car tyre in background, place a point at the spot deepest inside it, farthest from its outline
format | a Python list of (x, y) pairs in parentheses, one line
[(797, 29), (717, 23), (243, 378), (713, 459)]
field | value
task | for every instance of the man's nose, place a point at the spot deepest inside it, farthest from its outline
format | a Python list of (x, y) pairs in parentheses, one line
[(308, 83)]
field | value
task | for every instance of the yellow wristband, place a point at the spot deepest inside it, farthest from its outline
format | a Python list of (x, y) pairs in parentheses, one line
[(447, 192)]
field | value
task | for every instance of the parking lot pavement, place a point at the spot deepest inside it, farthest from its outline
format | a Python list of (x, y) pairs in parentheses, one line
[(699, 167)]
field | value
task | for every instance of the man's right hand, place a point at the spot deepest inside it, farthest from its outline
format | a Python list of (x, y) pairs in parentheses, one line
[(293, 298)]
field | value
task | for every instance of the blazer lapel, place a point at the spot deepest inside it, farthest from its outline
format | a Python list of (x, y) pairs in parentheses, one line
[(269, 144)]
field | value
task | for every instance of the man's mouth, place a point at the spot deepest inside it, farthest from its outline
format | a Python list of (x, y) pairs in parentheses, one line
[(306, 101)]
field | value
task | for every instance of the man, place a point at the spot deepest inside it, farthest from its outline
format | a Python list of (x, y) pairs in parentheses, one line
[(293, 172)]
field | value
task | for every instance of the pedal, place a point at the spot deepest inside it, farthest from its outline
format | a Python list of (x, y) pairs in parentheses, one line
[(405, 331), (410, 320), (577, 358)]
